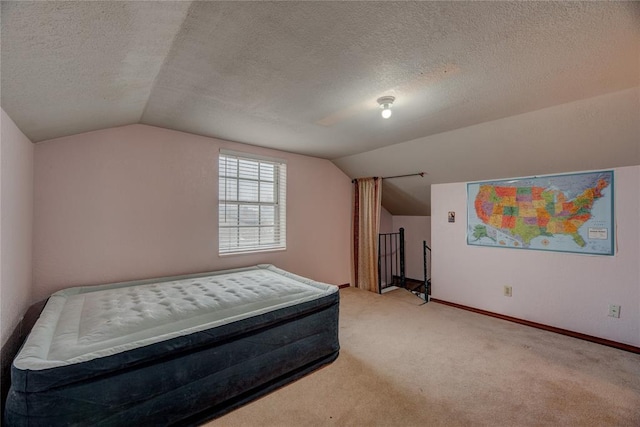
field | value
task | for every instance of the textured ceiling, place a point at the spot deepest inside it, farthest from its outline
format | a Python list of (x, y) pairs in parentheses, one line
[(304, 76)]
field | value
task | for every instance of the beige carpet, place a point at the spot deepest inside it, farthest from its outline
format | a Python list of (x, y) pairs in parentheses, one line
[(406, 364)]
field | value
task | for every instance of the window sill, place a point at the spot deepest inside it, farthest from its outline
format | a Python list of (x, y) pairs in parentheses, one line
[(252, 252)]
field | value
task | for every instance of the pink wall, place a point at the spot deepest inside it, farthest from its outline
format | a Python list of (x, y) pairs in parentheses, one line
[(386, 221), (569, 291), (139, 201), (16, 216), (416, 230)]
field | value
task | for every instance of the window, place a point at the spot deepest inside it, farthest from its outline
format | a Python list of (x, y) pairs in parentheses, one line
[(252, 203)]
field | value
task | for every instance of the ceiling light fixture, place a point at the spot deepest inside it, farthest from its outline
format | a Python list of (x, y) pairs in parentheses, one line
[(385, 103)]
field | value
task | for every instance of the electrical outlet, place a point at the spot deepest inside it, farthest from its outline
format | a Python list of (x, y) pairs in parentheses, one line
[(508, 291), (614, 310)]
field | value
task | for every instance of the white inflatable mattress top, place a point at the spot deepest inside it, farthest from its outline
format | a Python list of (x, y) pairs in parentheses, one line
[(85, 323)]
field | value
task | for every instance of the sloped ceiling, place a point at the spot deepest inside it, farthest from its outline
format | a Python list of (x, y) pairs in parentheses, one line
[(304, 76)]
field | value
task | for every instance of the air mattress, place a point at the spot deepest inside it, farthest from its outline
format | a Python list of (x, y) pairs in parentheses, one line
[(177, 350)]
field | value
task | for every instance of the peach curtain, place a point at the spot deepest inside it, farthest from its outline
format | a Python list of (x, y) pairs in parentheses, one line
[(366, 225)]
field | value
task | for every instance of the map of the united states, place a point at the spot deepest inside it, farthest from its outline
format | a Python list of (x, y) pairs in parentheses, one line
[(528, 212)]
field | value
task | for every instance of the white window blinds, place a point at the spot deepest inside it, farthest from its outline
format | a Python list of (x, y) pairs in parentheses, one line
[(252, 203)]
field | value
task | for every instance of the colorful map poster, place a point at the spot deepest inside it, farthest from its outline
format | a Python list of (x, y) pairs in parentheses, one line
[(566, 213)]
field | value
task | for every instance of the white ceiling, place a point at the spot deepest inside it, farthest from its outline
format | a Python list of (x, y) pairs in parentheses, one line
[(304, 76)]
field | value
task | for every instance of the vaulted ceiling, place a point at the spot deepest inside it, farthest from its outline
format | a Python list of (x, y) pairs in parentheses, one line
[(304, 76)]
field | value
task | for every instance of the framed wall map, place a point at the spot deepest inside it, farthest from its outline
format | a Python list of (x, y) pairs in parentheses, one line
[(564, 213)]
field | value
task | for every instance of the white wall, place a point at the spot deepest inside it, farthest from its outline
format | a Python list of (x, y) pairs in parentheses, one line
[(568, 291), (16, 218), (416, 230), (139, 201)]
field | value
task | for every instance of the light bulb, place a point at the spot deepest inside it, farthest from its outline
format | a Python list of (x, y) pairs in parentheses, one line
[(385, 103)]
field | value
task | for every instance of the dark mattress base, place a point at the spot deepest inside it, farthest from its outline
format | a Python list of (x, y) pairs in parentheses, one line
[(182, 381), (266, 388)]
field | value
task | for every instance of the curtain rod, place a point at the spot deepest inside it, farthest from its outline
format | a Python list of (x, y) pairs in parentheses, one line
[(396, 176)]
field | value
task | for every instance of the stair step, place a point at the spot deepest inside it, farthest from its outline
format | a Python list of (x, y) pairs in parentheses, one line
[(412, 286)]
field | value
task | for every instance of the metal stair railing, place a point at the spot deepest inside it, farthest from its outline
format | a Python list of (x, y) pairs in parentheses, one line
[(391, 265), (426, 251)]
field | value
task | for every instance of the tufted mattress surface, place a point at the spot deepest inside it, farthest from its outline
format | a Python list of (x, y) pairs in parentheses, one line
[(85, 323)]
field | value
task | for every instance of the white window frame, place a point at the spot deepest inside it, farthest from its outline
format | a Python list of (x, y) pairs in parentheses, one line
[(230, 227)]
